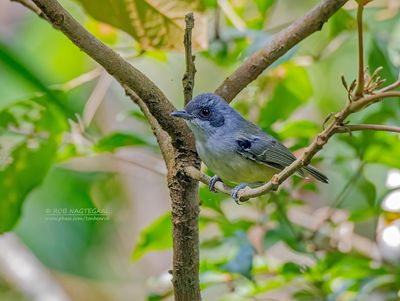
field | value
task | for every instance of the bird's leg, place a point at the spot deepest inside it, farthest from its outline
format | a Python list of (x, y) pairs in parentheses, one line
[(213, 180), (235, 191)]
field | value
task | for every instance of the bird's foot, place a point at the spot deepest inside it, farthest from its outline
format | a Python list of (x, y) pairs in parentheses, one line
[(235, 192), (211, 185)]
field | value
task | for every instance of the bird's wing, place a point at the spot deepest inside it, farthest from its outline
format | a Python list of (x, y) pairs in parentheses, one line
[(266, 150)]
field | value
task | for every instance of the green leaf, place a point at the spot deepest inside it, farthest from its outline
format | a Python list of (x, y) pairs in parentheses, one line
[(156, 237), (299, 129), (385, 150), (292, 91), (378, 57), (341, 21), (10, 60), (154, 24), (264, 5), (27, 155), (119, 139)]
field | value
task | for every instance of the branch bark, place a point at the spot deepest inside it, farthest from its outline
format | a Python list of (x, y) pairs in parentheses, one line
[(278, 46)]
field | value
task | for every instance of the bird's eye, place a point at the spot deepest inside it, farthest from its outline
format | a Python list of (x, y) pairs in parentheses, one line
[(205, 112)]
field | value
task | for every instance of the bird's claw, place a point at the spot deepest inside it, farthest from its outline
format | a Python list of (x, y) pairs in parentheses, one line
[(213, 180), (235, 192)]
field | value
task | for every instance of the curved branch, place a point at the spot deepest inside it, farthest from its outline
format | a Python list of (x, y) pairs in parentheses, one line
[(120, 69), (278, 46)]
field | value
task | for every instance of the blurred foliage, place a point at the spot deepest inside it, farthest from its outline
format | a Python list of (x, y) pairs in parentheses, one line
[(157, 236), (275, 245), (153, 24)]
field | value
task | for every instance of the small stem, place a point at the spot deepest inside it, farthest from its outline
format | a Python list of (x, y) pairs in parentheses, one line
[(367, 127), (360, 82), (188, 77)]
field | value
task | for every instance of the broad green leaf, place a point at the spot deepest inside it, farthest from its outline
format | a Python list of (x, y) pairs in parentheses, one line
[(10, 60), (119, 139), (29, 143), (155, 237), (292, 91), (155, 24)]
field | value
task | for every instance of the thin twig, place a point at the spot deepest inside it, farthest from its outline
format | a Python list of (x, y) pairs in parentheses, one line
[(366, 127), (231, 14), (80, 80), (96, 98), (188, 77), (390, 87), (31, 6), (360, 83), (199, 176)]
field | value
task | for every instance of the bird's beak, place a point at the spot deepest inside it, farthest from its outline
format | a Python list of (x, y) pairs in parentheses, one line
[(182, 114)]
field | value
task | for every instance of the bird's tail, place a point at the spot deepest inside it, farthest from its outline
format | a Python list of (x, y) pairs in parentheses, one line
[(316, 174)]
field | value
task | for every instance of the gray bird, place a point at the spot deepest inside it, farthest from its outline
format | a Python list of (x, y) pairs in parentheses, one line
[(232, 147)]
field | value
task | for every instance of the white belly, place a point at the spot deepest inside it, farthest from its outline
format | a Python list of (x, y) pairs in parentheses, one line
[(232, 167)]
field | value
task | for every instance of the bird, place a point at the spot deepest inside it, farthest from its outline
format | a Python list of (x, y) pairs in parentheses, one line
[(233, 148)]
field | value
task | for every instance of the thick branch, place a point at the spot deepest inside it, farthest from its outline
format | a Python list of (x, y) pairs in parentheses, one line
[(178, 147), (120, 69), (278, 46)]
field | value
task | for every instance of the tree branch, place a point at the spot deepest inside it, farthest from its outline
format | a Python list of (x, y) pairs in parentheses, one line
[(120, 69), (278, 46), (174, 137)]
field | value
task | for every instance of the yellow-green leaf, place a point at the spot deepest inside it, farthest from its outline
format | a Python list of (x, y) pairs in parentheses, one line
[(155, 24)]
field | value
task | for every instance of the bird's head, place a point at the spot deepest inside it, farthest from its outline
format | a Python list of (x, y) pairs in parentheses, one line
[(206, 114)]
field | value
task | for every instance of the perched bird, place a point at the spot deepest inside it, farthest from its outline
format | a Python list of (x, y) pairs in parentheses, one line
[(232, 147)]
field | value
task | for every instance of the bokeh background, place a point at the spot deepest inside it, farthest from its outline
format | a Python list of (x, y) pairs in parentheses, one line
[(83, 195)]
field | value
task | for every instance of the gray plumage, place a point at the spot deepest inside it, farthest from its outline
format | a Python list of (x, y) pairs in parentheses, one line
[(233, 147)]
